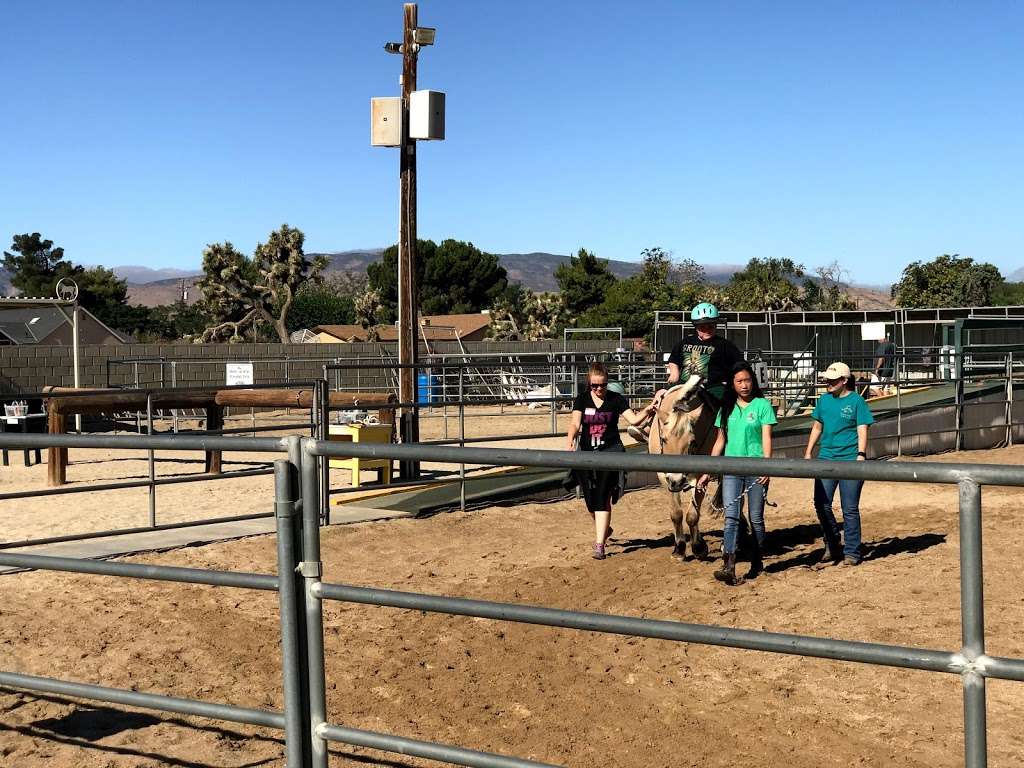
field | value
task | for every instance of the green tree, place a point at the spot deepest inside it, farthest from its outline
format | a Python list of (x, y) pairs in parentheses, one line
[(35, 265), (320, 305), (106, 295), (509, 313), (766, 284), (947, 281), (369, 312), (545, 316), (176, 321), (631, 303), (453, 277), (828, 291), (240, 292), (584, 281), (460, 278), (1008, 295)]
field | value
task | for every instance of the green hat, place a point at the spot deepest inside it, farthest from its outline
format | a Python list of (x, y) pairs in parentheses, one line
[(704, 311)]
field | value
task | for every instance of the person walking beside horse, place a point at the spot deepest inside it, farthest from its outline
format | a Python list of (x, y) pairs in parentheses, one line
[(841, 420), (744, 430), (595, 421)]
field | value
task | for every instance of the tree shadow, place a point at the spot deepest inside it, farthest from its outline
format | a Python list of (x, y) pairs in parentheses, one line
[(94, 724), (85, 725)]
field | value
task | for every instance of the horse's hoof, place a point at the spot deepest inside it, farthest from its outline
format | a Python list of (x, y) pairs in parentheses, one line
[(700, 550), (678, 554)]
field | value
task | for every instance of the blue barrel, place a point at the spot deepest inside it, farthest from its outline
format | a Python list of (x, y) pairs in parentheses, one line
[(428, 388)]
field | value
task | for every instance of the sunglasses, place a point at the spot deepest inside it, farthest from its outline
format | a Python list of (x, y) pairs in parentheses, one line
[(599, 386)]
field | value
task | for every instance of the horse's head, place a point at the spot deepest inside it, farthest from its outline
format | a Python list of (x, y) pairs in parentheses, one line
[(673, 430)]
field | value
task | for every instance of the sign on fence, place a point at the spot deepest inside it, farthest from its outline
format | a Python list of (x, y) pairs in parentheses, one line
[(238, 373), (872, 331)]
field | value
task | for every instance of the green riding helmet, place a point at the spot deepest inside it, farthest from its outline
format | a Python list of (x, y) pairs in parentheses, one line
[(704, 312)]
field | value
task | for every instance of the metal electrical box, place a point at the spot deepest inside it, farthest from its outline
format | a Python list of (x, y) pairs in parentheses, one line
[(426, 115), (386, 121)]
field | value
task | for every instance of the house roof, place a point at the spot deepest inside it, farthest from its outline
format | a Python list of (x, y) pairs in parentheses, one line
[(432, 327), (31, 325), (464, 324), (343, 332)]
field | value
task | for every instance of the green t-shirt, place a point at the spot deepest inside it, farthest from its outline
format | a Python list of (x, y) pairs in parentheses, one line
[(743, 432), (840, 417)]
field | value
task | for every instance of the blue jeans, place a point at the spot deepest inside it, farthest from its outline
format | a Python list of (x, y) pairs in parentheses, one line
[(732, 487), (849, 498)]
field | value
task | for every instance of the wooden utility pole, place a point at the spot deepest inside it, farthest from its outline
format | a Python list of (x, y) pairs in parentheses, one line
[(407, 289)]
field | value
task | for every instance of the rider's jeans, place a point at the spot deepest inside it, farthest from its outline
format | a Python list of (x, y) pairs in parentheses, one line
[(849, 498), (732, 496)]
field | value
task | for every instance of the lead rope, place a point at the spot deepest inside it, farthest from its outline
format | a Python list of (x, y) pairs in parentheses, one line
[(719, 511)]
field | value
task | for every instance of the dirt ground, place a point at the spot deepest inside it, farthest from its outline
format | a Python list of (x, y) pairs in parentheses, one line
[(559, 696)]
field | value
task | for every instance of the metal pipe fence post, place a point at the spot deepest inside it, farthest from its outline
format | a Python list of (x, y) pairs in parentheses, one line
[(444, 398), (1009, 397), (462, 444), (899, 409), (324, 466), (298, 542), (1008, 409), (554, 416), (284, 510), (311, 569), (959, 408), (972, 612), (174, 384), (152, 461)]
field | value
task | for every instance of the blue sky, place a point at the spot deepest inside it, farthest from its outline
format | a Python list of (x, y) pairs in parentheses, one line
[(875, 133)]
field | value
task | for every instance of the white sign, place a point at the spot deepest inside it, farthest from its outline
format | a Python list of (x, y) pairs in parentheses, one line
[(238, 374), (872, 331)]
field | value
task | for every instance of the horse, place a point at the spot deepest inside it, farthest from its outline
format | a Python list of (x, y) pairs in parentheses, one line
[(684, 424)]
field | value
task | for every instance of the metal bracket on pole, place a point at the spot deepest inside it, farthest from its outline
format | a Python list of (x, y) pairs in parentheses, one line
[(287, 508), (310, 569)]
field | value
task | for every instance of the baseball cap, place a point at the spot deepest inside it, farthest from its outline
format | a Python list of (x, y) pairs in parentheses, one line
[(836, 371)]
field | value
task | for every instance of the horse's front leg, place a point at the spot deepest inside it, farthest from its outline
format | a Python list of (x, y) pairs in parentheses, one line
[(679, 543), (697, 543)]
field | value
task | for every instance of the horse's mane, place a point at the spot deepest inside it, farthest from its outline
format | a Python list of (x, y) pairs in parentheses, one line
[(678, 422)]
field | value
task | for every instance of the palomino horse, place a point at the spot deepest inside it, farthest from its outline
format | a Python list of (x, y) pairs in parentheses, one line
[(684, 425)]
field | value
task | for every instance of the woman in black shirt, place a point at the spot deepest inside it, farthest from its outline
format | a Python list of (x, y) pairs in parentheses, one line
[(595, 421)]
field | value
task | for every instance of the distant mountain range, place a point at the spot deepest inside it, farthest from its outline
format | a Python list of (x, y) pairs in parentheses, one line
[(533, 270), (151, 287)]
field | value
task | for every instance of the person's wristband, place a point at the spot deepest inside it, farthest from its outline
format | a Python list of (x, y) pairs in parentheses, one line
[(862, 454)]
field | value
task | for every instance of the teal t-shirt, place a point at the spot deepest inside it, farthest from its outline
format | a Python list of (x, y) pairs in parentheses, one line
[(743, 433), (840, 417)]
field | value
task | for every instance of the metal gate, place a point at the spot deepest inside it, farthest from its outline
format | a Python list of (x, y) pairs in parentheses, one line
[(302, 590)]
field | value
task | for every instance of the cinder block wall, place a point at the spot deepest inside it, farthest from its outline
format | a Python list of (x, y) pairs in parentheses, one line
[(27, 369)]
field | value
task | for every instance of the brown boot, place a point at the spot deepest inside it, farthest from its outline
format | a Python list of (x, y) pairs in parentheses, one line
[(727, 573)]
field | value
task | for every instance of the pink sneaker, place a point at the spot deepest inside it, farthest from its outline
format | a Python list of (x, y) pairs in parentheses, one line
[(598, 553)]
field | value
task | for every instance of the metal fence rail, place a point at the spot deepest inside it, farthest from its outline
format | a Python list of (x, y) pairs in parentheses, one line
[(302, 589)]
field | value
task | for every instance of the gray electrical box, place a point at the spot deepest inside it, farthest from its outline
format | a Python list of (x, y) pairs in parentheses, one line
[(386, 121), (426, 115)]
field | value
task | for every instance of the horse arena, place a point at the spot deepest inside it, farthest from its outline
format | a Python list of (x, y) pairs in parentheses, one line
[(552, 695)]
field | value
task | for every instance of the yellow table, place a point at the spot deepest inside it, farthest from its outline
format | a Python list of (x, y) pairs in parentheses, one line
[(362, 433)]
